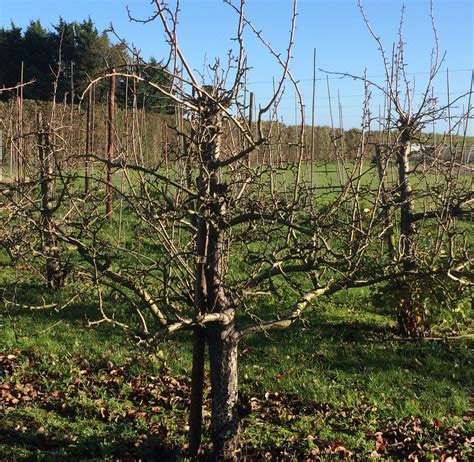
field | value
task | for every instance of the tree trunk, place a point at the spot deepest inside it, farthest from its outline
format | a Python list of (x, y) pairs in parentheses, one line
[(54, 271), (210, 295), (197, 392), (199, 342), (224, 393), (407, 224), (410, 314)]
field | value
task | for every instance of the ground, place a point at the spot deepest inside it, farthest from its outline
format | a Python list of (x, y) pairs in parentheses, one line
[(341, 386)]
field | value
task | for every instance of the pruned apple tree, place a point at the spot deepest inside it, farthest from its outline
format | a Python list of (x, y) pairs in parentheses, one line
[(224, 238), (427, 186)]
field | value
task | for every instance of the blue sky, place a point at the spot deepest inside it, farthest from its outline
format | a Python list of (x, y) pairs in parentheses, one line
[(334, 27)]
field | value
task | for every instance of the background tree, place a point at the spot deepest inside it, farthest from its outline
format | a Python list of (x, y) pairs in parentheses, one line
[(80, 53), (38, 57), (430, 192), (11, 50)]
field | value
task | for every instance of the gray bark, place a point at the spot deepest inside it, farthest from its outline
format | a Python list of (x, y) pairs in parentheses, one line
[(224, 392), (407, 223), (54, 271), (199, 343), (408, 317), (210, 296)]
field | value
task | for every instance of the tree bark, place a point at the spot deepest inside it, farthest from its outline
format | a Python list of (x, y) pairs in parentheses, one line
[(199, 342), (54, 272), (407, 224), (224, 392), (409, 315), (210, 295)]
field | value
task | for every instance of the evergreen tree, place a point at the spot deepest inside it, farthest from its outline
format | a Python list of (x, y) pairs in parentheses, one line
[(76, 53), (38, 58), (12, 48)]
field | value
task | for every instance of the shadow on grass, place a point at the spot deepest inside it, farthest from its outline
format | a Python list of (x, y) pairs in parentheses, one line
[(29, 299), (27, 445), (361, 347)]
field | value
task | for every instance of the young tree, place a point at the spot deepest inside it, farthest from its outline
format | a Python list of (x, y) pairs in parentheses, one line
[(430, 193), (227, 230)]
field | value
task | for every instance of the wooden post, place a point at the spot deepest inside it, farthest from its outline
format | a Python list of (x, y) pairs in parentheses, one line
[(251, 104), (89, 138), (71, 112), (20, 168), (110, 145), (312, 119)]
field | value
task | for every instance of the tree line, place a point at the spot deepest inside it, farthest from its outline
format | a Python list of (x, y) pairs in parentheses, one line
[(61, 62)]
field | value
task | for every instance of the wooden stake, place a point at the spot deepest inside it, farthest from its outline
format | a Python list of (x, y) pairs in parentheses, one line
[(20, 172), (251, 104), (312, 119), (110, 145), (89, 139)]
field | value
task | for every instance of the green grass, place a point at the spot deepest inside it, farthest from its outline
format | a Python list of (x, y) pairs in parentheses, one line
[(331, 382), (339, 378)]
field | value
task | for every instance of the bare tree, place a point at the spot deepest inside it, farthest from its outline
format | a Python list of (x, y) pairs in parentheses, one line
[(430, 192), (186, 211), (228, 232), (34, 198), (50, 244)]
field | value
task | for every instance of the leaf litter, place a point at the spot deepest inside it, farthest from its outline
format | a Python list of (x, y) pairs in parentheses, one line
[(151, 404)]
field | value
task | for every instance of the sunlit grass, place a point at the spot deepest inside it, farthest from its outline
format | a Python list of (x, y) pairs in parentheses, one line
[(344, 359)]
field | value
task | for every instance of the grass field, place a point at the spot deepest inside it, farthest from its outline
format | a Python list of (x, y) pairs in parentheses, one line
[(341, 386)]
